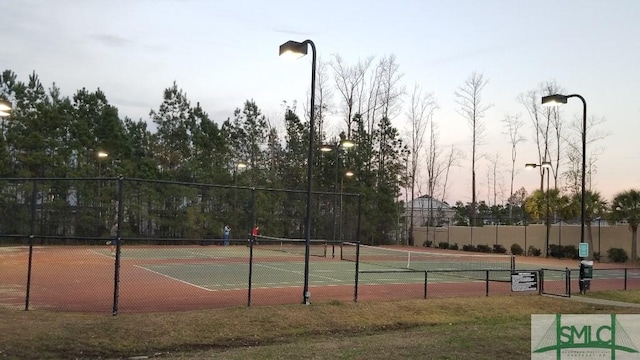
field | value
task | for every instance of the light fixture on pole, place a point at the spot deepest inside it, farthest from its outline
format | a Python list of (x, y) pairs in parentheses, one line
[(337, 147), (5, 108), (546, 165), (299, 49), (239, 165), (101, 155), (558, 99), (349, 174)]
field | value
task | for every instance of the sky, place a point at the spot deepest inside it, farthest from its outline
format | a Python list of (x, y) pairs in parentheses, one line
[(224, 52)]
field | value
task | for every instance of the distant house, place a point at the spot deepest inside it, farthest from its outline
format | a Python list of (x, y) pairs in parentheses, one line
[(425, 207)]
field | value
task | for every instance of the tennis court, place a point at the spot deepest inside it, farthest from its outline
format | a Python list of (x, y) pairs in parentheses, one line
[(176, 277), (217, 268), (179, 276)]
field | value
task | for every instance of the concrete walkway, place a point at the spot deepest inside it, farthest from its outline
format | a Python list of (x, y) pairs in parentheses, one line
[(603, 301)]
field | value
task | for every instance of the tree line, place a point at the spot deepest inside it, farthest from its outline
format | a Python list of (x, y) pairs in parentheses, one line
[(51, 135)]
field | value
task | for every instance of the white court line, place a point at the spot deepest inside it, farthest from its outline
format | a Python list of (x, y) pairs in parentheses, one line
[(101, 254), (176, 279), (199, 254), (298, 272)]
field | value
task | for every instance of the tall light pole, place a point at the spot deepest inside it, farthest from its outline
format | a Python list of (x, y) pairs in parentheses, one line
[(236, 168), (348, 174), (337, 147), (546, 165), (101, 155), (558, 99), (299, 49)]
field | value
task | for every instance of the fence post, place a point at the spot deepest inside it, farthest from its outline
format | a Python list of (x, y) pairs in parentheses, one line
[(116, 276), (486, 283), (425, 283), (32, 226), (355, 291), (251, 241), (625, 278), (568, 285), (540, 281)]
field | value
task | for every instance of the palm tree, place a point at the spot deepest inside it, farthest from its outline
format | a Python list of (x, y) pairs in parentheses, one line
[(594, 207), (626, 206)]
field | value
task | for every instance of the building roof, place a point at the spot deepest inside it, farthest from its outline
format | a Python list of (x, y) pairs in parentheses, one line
[(426, 202)]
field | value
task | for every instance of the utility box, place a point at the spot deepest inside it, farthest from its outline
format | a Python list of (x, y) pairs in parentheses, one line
[(586, 274), (586, 269)]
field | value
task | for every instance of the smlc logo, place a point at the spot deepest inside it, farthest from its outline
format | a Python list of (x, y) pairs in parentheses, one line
[(584, 336)]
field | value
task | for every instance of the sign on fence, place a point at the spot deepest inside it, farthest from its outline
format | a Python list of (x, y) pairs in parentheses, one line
[(583, 250), (524, 281)]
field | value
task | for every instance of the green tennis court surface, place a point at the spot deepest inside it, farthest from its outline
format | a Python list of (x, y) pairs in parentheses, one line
[(217, 268), (234, 276)]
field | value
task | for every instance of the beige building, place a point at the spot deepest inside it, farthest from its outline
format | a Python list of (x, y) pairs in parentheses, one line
[(425, 207)]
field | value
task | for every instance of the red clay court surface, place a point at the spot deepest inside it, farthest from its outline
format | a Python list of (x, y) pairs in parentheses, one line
[(81, 279)]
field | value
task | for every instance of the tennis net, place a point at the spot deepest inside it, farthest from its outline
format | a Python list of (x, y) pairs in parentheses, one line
[(464, 265), (291, 246)]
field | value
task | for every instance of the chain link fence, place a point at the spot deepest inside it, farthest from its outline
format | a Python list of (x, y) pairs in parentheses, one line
[(132, 245)]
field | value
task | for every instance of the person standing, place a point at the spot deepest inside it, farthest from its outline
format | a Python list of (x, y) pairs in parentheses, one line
[(254, 234), (226, 233), (113, 236)]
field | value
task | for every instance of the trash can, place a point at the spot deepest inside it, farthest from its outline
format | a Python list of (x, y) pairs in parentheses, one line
[(586, 274)]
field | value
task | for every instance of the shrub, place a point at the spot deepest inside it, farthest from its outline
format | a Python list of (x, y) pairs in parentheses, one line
[(533, 251), (427, 243), (556, 251), (469, 248), (443, 245), (516, 249), (453, 246), (596, 256), (570, 252), (617, 255), (484, 248), (499, 249)]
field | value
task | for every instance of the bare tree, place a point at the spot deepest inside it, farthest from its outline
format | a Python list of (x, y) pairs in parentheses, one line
[(493, 178), (391, 89), (542, 121), (513, 125), (389, 93), (324, 97), (469, 98), (435, 165), (452, 159), (349, 82), (574, 151), (420, 115)]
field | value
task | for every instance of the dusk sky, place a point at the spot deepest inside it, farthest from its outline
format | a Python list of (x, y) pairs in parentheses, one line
[(223, 52)]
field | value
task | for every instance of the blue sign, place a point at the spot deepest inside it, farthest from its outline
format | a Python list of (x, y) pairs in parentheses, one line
[(583, 250)]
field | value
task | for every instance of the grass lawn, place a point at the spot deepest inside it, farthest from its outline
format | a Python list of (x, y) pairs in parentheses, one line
[(496, 327)]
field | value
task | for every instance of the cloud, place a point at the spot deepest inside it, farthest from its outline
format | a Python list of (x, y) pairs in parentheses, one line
[(110, 40)]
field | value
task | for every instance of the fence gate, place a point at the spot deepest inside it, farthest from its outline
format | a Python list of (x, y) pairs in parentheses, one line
[(555, 282)]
